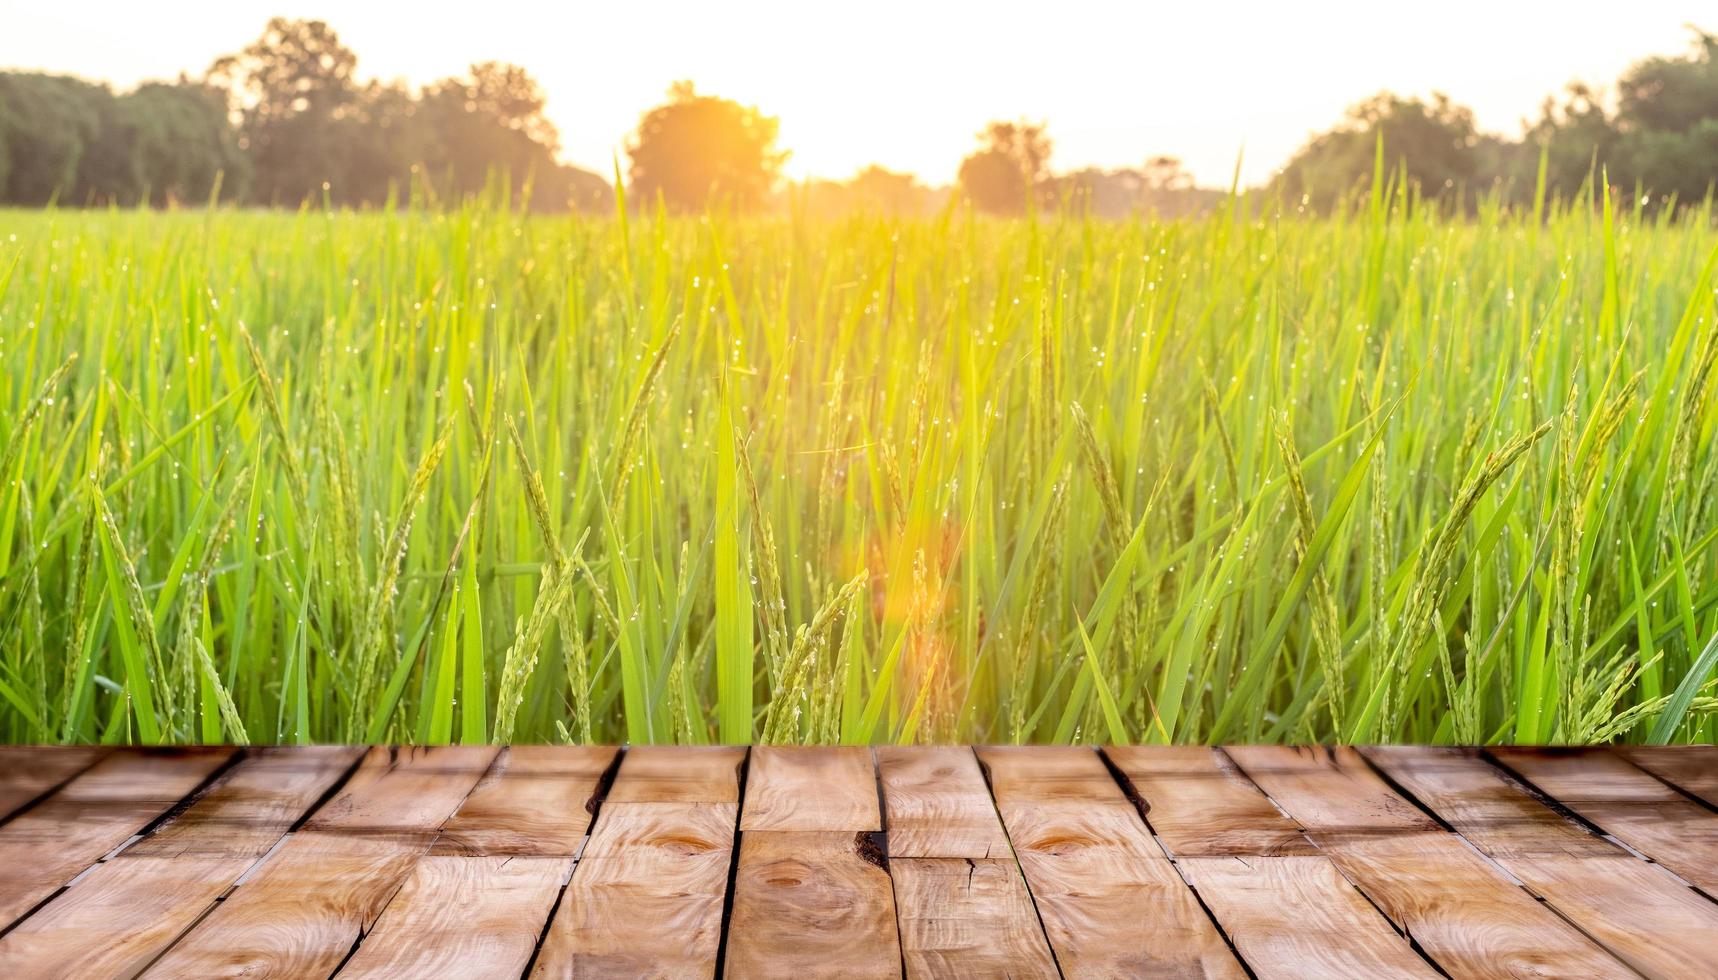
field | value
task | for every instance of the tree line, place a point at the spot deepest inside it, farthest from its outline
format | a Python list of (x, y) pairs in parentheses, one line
[(286, 120), (1655, 139), (280, 122)]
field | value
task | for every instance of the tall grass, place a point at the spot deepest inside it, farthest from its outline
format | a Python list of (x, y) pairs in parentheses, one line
[(430, 476)]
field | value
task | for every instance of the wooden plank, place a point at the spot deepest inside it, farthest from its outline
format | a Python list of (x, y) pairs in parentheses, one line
[(963, 908), (663, 774), (1111, 902), (1199, 805), (29, 772), (302, 910), (1627, 803), (144, 898), (463, 916), (1295, 916), (807, 788), (52, 842), (479, 902), (1282, 904), (1460, 909), (812, 904), (1692, 768), (968, 917), (1332, 793), (404, 793), (811, 894), (646, 898), (1628, 905), (535, 801), (938, 805), (252, 805)]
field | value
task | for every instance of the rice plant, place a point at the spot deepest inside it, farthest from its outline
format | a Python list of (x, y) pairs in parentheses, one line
[(429, 475)]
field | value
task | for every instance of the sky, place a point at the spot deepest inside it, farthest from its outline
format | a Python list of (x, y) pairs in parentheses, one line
[(908, 84)]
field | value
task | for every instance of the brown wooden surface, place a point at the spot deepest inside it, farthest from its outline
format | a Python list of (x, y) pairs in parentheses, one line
[(28, 772), (1626, 802), (1297, 917), (854, 862), (1691, 768), (1456, 905), (795, 788), (1199, 805), (1094, 869), (812, 904), (646, 898), (536, 801), (463, 916), (968, 917), (963, 908), (144, 898), (937, 804), (812, 894), (46, 846), (1625, 903), (302, 910), (1280, 902), (475, 906)]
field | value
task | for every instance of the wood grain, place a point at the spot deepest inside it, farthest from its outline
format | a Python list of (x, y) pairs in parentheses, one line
[(679, 774), (1278, 899), (456, 861), (534, 802), (938, 805), (962, 906), (812, 904), (142, 900), (1093, 867), (1457, 906), (966, 917), (54, 841), (28, 772), (646, 898), (404, 792), (1627, 803), (302, 910), (477, 905), (806, 788), (1332, 793), (1692, 768), (1199, 805), (1625, 903), (1297, 917), (811, 896), (247, 810), (463, 916)]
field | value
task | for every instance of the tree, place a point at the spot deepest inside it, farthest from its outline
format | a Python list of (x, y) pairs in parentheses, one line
[(1166, 175), (48, 123), (489, 121), (182, 143), (1011, 165), (697, 148), (1575, 137), (1667, 121), (380, 137), (291, 90), (585, 192), (877, 190), (1436, 144)]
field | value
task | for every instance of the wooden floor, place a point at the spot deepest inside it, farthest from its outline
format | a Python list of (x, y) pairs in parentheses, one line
[(854, 862)]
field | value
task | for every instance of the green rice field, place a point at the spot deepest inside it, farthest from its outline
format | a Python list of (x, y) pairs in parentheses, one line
[(426, 476)]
